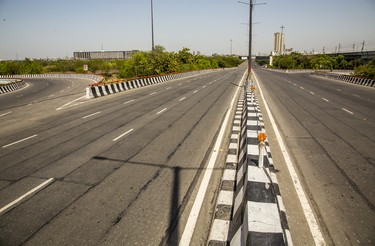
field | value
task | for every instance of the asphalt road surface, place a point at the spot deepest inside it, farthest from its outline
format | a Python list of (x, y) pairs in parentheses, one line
[(119, 170), (329, 130)]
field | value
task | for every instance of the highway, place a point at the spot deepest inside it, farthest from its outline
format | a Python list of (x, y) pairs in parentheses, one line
[(119, 170), (329, 131)]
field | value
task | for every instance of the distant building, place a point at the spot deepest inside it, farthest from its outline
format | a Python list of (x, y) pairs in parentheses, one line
[(279, 43), (102, 55)]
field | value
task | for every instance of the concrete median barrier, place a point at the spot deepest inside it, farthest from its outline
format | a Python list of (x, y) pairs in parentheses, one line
[(249, 208)]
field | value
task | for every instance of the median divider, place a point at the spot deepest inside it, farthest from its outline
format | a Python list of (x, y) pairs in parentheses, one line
[(12, 86), (97, 90), (249, 209)]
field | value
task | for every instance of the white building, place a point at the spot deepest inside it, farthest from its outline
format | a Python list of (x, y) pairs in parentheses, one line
[(279, 43)]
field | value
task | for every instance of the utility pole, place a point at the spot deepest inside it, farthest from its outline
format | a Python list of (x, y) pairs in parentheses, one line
[(152, 26), (250, 37), (363, 45), (251, 5)]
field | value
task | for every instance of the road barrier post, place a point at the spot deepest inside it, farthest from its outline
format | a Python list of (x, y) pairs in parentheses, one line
[(262, 148)]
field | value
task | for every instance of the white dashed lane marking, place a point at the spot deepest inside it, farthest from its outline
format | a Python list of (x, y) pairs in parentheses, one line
[(87, 116), (19, 141), (1, 115), (161, 111), (325, 99), (129, 131), (348, 111), (129, 101)]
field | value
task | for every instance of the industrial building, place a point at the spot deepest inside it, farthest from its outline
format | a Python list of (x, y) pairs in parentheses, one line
[(102, 55)]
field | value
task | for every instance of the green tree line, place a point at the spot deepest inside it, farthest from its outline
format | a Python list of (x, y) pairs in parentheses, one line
[(323, 61), (143, 63)]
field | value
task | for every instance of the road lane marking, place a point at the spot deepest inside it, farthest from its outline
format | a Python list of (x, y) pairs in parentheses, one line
[(182, 99), (195, 91), (348, 111), (325, 99), (194, 213), (67, 104), (129, 101), (115, 139), (152, 93), (161, 111), (62, 91), (87, 116), (19, 141), (313, 225), (169, 88), (356, 95), (1, 115), (312, 93), (45, 183), (338, 89), (302, 88)]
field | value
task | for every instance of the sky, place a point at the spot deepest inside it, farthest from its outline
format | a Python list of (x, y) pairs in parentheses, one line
[(57, 28)]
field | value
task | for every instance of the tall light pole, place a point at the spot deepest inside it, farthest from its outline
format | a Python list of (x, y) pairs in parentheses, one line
[(152, 26), (250, 37), (251, 5)]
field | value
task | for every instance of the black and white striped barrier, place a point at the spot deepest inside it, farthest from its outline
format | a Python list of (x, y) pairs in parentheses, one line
[(94, 77), (345, 78), (249, 208), (19, 84), (95, 91)]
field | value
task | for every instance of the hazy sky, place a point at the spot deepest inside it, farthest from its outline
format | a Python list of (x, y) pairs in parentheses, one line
[(57, 28)]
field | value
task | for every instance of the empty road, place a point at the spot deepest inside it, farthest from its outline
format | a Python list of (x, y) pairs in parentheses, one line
[(119, 170), (329, 130)]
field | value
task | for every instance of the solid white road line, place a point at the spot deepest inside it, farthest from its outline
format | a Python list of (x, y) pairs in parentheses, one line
[(348, 111), (1, 115), (161, 111), (87, 116), (45, 183), (193, 216), (314, 227), (19, 141), (115, 139)]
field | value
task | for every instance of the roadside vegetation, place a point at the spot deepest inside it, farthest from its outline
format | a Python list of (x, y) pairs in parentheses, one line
[(143, 63), (323, 62)]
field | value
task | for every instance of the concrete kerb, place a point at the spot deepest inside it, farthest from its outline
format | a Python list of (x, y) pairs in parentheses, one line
[(13, 86), (345, 78), (249, 209), (93, 92)]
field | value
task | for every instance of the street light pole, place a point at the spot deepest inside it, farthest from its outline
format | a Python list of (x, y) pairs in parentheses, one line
[(152, 26), (250, 37)]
